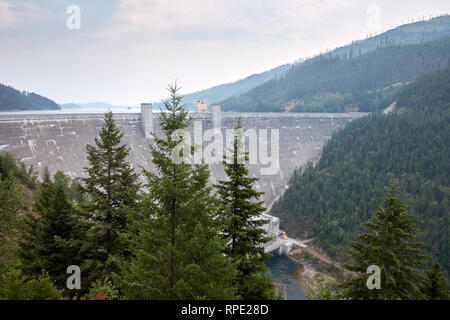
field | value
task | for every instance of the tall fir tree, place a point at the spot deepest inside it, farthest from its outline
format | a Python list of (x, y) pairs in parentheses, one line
[(113, 189), (435, 286), (240, 214), (178, 252), (389, 244)]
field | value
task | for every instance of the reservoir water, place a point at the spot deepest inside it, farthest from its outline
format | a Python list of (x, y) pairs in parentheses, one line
[(282, 271)]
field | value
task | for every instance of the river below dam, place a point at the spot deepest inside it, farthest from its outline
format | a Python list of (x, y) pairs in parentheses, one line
[(282, 270)]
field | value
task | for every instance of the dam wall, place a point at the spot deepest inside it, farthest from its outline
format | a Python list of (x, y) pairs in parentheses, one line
[(58, 141)]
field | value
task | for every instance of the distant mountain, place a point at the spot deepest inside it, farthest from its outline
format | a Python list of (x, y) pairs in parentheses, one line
[(15, 100), (96, 106), (411, 33), (101, 105), (408, 148), (224, 91), (336, 81), (70, 106), (341, 84)]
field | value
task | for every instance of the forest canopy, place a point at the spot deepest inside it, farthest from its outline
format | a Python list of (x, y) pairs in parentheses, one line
[(407, 148), (15, 100)]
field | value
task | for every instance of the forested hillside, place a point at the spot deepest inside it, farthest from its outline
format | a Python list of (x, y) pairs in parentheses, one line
[(227, 90), (411, 33), (344, 83), (409, 148), (14, 100)]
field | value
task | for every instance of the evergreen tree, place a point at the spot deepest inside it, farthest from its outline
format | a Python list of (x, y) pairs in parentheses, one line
[(14, 285), (240, 216), (391, 246), (10, 200), (42, 287), (330, 200), (54, 236), (435, 286), (207, 273), (30, 244), (178, 252), (112, 188)]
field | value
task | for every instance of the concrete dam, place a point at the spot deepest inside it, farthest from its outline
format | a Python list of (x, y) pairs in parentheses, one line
[(59, 140)]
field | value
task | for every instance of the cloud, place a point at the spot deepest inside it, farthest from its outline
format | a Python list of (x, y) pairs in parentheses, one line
[(128, 50), (19, 14), (7, 16), (306, 12), (222, 20)]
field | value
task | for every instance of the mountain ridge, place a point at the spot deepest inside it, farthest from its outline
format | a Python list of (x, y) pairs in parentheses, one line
[(407, 148), (409, 33), (14, 100), (270, 96)]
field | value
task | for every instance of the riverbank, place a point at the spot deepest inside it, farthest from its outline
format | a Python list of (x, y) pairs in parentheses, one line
[(306, 271), (313, 263)]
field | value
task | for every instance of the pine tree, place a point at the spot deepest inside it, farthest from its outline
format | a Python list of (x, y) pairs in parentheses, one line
[(178, 252), (240, 216), (435, 286), (390, 244), (112, 188)]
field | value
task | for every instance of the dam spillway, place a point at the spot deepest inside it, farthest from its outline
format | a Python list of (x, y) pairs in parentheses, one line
[(58, 141)]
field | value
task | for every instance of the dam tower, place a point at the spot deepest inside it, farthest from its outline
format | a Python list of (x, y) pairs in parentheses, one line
[(147, 119), (215, 116)]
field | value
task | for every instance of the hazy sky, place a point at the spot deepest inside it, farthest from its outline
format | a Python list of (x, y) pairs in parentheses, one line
[(127, 51)]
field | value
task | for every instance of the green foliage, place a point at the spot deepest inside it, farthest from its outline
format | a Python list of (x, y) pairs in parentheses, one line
[(435, 286), (341, 83), (409, 149), (389, 244), (13, 100), (178, 253), (112, 188), (51, 241), (242, 224), (42, 288), (320, 289), (14, 285), (10, 204), (10, 165), (104, 286)]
